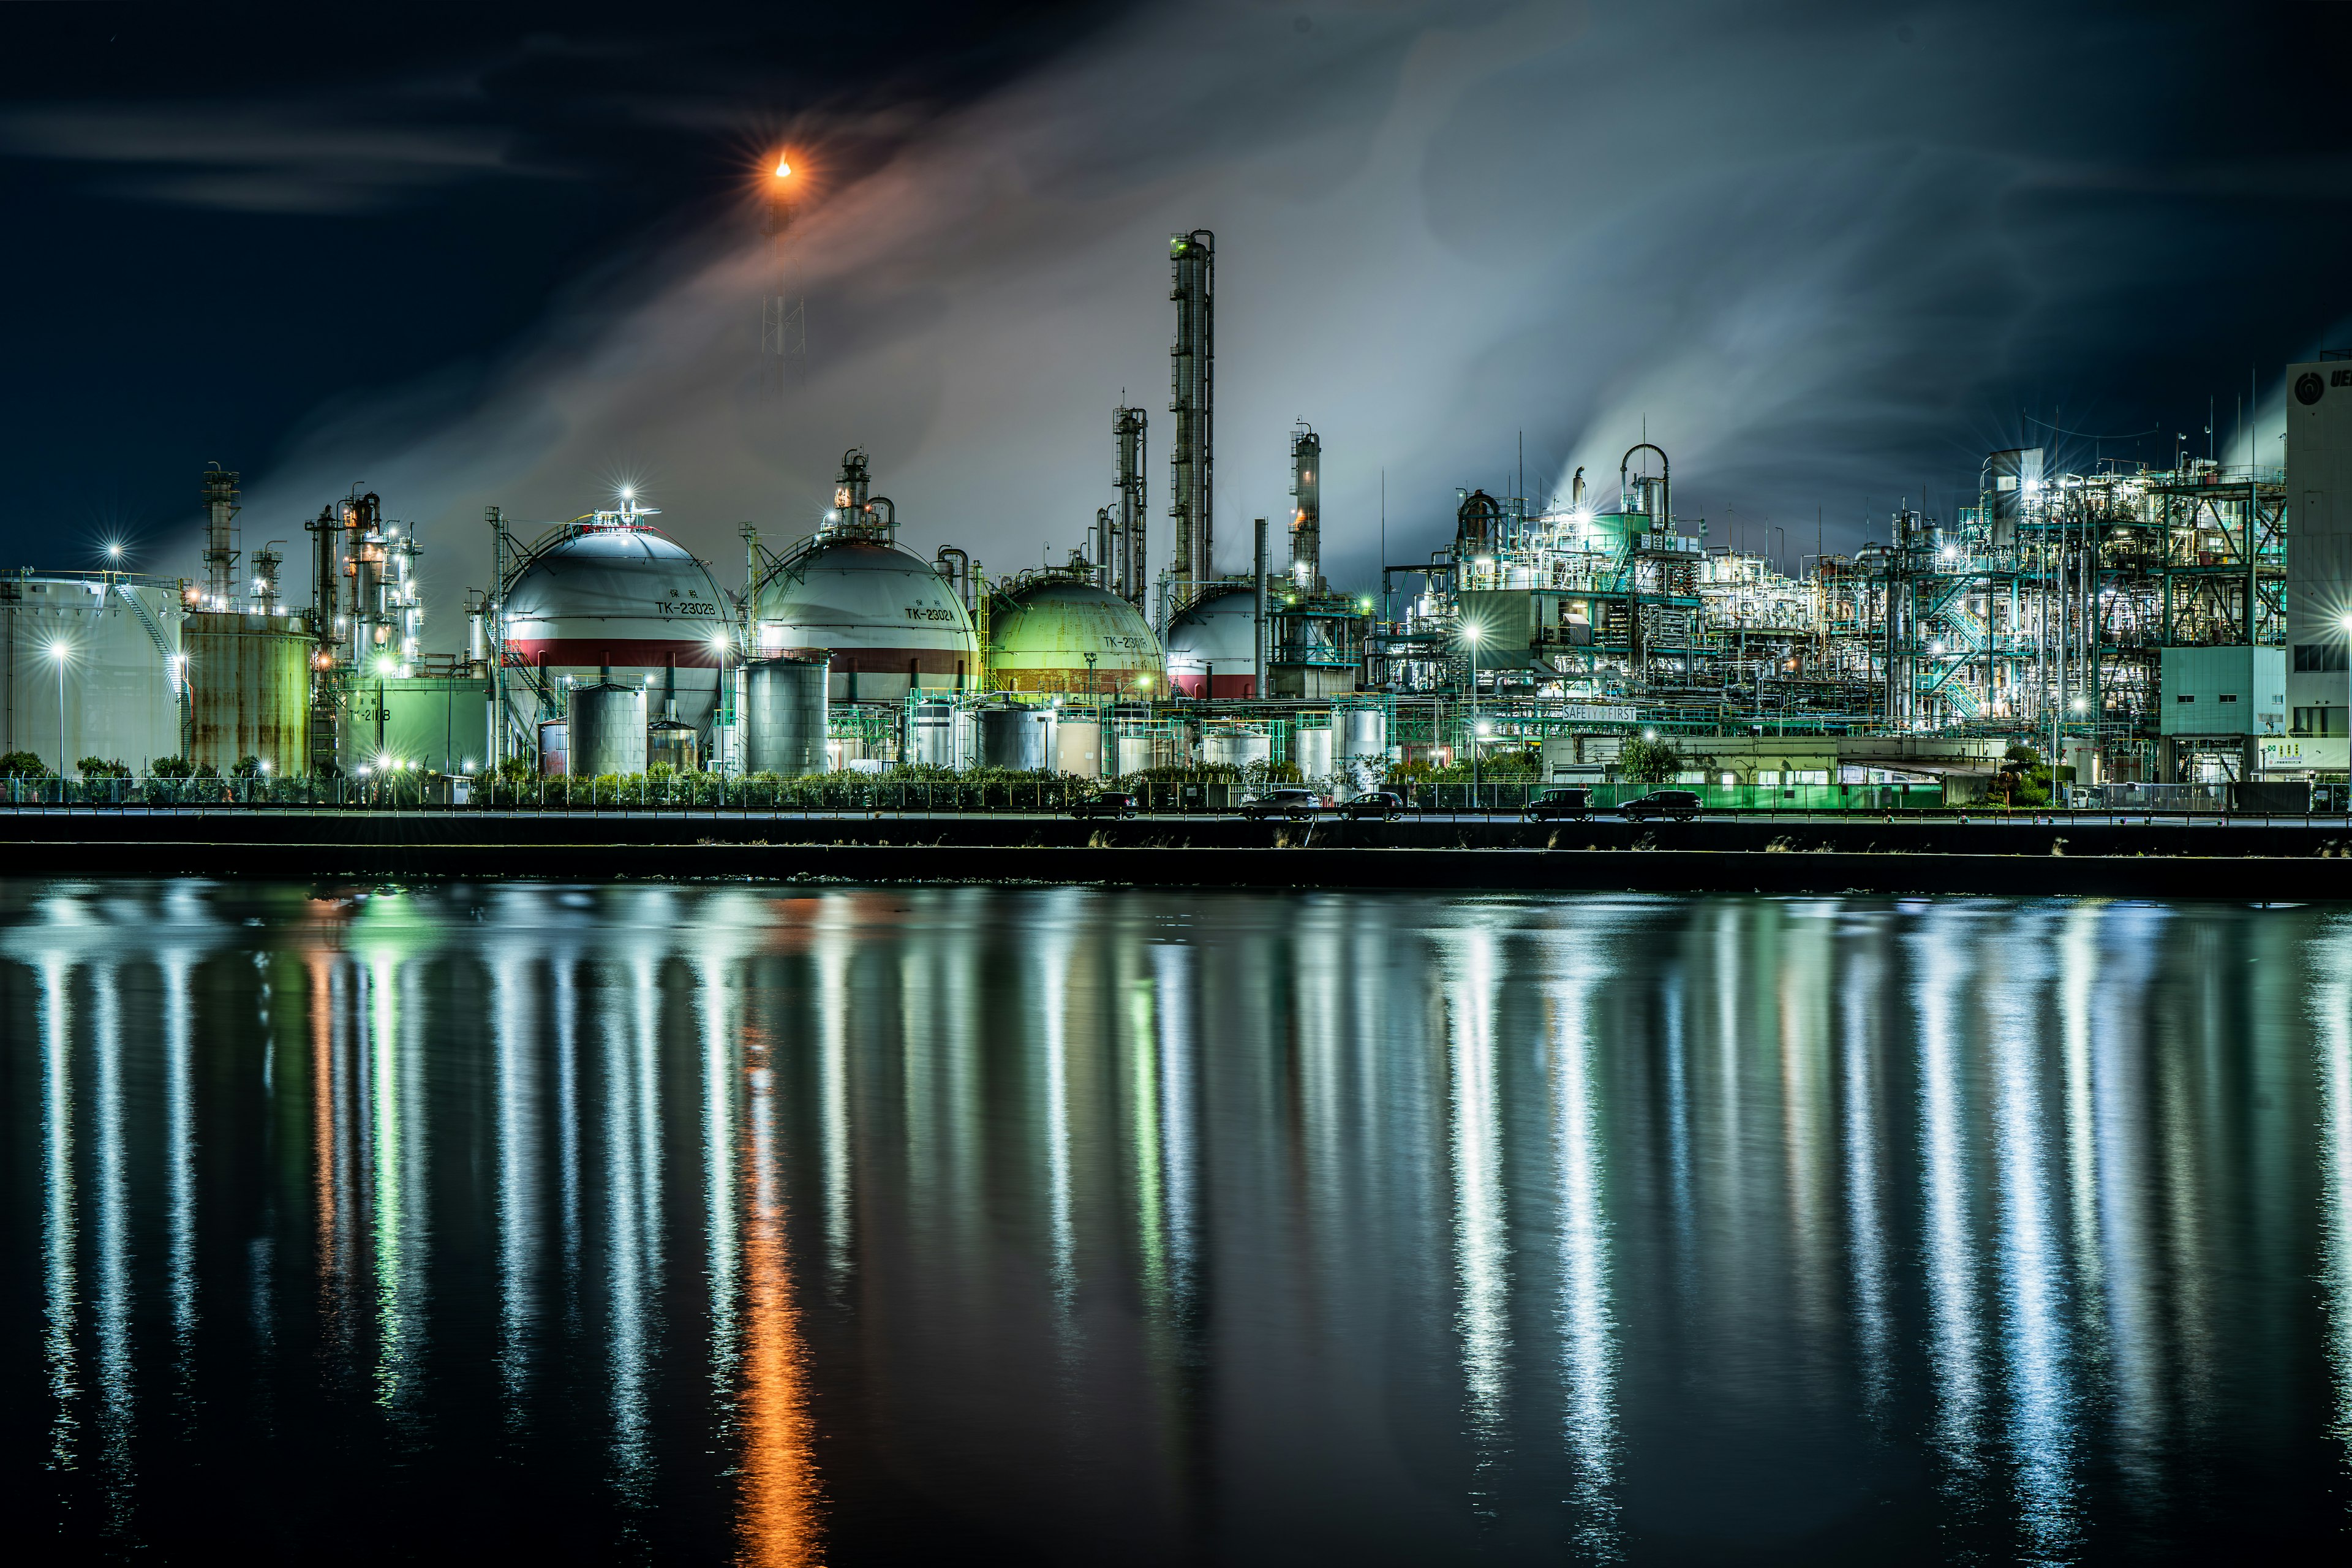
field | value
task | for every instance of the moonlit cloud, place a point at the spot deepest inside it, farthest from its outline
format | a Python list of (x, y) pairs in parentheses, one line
[(1821, 256)]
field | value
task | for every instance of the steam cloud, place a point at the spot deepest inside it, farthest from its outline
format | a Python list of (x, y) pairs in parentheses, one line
[(1816, 254)]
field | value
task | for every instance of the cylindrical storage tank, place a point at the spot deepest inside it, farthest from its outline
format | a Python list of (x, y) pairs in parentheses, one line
[(248, 690), (1363, 734), (931, 735), (1237, 748), (1311, 750), (1212, 645), (667, 741), (785, 705), (890, 623), (117, 646), (1077, 748), (553, 747), (1043, 630), (608, 729), (1363, 756), (1013, 737), (1134, 753)]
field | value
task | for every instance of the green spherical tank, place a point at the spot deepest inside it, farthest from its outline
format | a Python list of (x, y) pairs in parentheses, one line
[(1043, 627)]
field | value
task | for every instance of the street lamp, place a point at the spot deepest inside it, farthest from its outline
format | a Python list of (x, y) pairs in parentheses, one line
[(1470, 635), (59, 652)]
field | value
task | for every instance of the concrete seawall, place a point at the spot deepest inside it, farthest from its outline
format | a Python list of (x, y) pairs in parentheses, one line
[(2278, 862)]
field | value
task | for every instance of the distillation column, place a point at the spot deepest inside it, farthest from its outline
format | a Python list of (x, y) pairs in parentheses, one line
[(220, 543), (1126, 424), (1307, 510), (1192, 361)]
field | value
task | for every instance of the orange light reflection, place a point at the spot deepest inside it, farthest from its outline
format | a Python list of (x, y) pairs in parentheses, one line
[(779, 1493)]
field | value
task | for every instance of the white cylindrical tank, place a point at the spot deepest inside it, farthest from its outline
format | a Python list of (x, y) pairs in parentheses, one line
[(555, 747), (1311, 750), (1237, 748), (118, 645), (933, 735), (1136, 752), (1077, 748), (618, 597), (1363, 734), (607, 733)]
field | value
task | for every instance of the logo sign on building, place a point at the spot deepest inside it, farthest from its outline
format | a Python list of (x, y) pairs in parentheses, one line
[(2307, 753)]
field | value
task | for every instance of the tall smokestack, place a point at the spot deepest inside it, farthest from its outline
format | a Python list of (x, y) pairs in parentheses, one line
[(1192, 264)]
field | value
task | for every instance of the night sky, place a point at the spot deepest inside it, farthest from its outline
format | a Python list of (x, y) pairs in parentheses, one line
[(1825, 255)]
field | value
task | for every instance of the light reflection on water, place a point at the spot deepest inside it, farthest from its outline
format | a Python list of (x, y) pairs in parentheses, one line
[(801, 1226)]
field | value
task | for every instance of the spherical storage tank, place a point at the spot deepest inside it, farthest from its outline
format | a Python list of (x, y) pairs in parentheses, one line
[(1042, 629), (613, 593), (889, 619), (1212, 645)]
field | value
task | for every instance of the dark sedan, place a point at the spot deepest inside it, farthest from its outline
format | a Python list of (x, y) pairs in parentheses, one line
[(1111, 803), (1379, 806)]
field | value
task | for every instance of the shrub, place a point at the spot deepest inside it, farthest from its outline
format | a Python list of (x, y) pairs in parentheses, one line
[(173, 768), (247, 767), (100, 768), (1649, 762), (22, 766)]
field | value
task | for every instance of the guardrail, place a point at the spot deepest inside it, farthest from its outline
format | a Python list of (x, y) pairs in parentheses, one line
[(857, 793)]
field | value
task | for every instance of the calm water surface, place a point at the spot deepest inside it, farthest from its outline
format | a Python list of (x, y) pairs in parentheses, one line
[(854, 1225)]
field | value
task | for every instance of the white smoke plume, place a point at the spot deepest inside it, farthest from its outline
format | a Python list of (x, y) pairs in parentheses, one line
[(1816, 254)]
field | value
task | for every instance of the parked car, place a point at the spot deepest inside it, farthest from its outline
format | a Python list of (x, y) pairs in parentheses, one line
[(1560, 802), (1681, 805), (1297, 804), (1379, 806), (1109, 803)]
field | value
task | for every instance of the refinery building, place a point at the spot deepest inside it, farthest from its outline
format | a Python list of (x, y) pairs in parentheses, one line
[(2177, 624)]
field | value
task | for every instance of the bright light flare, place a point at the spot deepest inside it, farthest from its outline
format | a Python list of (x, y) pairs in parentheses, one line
[(783, 167)]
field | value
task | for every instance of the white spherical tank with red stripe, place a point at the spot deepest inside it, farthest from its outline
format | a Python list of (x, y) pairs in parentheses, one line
[(619, 595), (890, 619)]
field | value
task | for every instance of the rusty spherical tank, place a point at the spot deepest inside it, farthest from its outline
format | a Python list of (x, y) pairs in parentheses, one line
[(889, 620), (1212, 645), (1042, 629)]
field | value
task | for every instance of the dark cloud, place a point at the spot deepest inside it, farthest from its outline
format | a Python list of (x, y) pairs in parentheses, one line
[(301, 156)]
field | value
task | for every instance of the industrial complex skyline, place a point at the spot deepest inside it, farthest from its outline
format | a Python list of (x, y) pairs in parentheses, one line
[(1829, 262)]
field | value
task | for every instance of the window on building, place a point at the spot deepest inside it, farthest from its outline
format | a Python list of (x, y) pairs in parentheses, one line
[(2322, 657)]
